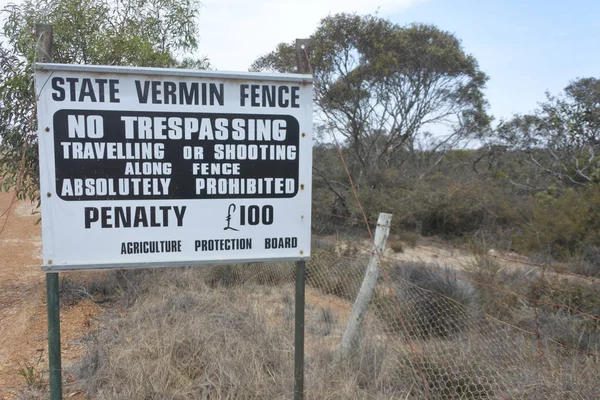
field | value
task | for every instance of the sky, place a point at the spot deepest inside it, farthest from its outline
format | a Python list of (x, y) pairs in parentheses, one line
[(526, 47)]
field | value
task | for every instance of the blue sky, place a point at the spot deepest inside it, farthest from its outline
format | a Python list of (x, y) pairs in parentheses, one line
[(526, 47)]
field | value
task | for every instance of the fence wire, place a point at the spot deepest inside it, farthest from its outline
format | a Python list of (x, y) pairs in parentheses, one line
[(432, 330), (450, 340)]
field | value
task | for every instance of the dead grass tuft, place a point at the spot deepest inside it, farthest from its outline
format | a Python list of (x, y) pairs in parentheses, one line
[(187, 345)]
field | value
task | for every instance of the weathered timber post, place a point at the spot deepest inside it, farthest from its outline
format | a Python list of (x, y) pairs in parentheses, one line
[(368, 286), (44, 36), (302, 53), (43, 51)]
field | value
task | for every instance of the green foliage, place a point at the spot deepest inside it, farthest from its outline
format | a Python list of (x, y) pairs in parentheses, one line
[(18, 144), (32, 373), (128, 32), (429, 194), (562, 224), (151, 33)]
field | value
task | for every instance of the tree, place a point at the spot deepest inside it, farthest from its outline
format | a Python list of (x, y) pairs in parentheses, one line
[(381, 85), (381, 88), (562, 137), (151, 33)]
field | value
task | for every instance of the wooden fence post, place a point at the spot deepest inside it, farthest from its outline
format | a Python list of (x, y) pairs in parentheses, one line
[(43, 51), (368, 286)]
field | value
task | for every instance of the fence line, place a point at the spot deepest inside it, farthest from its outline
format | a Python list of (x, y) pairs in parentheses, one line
[(436, 314), (396, 303), (477, 283)]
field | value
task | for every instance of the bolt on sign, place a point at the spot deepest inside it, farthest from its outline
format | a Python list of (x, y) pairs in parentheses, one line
[(146, 167)]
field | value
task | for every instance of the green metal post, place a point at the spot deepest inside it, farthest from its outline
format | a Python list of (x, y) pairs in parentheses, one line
[(54, 336), (302, 57), (299, 332), (44, 34)]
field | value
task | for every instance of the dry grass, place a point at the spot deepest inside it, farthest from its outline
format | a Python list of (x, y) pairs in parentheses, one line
[(210, 333), (184, 339), (226, 332)]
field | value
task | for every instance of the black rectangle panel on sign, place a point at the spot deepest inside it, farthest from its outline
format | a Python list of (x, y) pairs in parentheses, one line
[(121, 155)]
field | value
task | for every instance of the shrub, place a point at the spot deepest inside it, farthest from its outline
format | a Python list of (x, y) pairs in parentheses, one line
[(432, 300), (396, 245), (72, 291), (494, 297), (588, 263), (563, 224), (497, 303)]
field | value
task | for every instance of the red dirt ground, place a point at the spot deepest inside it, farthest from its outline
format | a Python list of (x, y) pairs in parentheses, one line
[(23, 323)]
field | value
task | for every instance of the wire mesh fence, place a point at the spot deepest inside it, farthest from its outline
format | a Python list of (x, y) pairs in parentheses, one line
[(434, 329), (430, 332), (442, 323)]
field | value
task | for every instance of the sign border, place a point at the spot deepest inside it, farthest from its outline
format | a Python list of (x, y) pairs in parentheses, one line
[(192, 73), (151, 265), (303, 79)]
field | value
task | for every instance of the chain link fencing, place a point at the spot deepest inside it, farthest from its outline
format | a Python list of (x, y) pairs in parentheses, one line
[(431, 331)]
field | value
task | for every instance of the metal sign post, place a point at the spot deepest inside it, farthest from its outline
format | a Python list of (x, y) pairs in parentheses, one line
[(299, 331), (44, 35), (302, 54), (54, 361)]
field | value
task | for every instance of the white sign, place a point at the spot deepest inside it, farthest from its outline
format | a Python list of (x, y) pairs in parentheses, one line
[(147, 167)]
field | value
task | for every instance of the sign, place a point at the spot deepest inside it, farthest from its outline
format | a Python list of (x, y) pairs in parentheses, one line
[(145, 167)]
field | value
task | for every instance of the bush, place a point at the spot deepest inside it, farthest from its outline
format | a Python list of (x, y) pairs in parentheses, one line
[(432, 299), (563, 224), (588, 263), (396, 245), (497, 303), (554, 322)]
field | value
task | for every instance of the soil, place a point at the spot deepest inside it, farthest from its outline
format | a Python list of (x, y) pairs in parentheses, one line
[(23, 323)]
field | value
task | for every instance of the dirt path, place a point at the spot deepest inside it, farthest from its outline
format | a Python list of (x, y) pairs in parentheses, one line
[(23, 326)]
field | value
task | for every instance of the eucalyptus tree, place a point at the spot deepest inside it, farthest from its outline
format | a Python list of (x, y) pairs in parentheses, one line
[(382, 86), (562, 137)]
